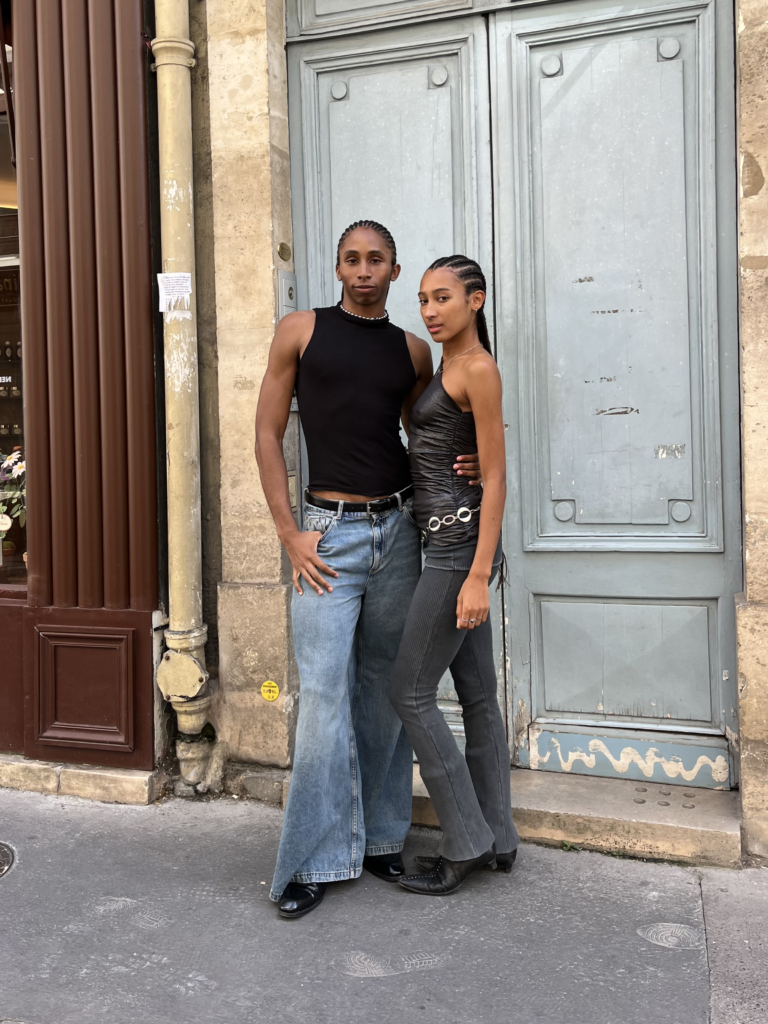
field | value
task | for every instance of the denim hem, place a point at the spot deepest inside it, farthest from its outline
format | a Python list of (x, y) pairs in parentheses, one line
[(377, 851), (319, 876)]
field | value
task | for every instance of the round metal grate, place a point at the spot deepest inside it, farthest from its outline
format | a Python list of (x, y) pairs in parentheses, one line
[(6, 859)]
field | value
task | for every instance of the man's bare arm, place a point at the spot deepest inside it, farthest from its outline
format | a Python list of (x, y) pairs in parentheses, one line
[(292, 336), (421, 357)]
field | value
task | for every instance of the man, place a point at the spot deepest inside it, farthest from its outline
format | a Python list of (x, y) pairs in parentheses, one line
[(355, 567)]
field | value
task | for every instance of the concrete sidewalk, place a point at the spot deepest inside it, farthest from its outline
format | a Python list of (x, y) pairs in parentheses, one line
[(160, 915)]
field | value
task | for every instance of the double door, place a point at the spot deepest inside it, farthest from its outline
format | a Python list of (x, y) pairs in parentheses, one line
[(583, 152)]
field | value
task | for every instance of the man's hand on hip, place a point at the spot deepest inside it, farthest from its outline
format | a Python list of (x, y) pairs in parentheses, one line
[(301, 548)]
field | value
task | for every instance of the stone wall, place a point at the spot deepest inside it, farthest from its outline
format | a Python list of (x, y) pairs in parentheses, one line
[(752, 606), (250, 188)]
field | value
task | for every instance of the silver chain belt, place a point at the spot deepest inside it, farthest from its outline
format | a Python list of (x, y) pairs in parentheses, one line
[(464, 515)]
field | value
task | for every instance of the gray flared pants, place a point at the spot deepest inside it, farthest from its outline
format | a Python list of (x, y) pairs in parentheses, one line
[(470, 792)]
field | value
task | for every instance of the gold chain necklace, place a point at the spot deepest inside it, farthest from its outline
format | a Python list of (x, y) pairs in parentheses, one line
[(442, 369)]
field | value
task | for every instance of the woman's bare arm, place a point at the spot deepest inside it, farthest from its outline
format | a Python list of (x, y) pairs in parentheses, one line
[(482, 388)]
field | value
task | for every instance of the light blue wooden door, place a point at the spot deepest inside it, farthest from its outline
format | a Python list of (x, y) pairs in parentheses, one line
[(614, 175), (603, 204)]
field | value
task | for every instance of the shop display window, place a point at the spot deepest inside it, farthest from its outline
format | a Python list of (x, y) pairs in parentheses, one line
[(13, 477)]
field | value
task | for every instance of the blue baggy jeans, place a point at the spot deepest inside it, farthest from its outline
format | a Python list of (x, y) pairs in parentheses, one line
[(351, 785)]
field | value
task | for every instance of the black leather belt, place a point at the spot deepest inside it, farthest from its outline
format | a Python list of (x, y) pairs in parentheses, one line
[(380, 505)]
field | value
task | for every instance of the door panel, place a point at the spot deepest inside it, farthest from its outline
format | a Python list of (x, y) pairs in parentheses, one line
[(617, 320), (393, 127), (622, 421), (626, 659), (614, 214)]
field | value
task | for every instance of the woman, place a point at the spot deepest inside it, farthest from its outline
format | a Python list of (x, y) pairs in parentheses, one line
[(447, 626)]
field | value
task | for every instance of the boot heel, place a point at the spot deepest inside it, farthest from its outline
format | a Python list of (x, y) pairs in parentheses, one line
[(504, 861)]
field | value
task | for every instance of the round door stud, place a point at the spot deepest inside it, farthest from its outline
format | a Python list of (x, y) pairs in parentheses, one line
[(284, 251), (681, 511), (669, 48), (551, 65), (438, 76), (339, 90), (6, 858), (563, 511)]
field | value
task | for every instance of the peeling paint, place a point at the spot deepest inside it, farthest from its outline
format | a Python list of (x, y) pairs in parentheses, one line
[(522, 720), (669, 451), (181, 363), (175, 194), (672, 767)]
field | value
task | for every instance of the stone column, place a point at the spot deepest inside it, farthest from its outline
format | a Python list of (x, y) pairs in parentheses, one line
[(752, 605), (250, 178)]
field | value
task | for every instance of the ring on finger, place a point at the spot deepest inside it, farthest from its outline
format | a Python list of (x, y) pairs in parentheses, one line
[(472, 620)]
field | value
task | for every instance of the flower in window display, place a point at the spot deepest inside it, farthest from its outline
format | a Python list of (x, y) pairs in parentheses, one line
[(13, 487)]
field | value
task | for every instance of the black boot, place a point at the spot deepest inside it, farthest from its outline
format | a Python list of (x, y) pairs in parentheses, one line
[(447, 876), (388, 866), (301, 897), (503, 862)]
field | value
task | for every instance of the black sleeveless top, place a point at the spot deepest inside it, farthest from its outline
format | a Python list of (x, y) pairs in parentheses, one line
[(439, 432), (353, 378)]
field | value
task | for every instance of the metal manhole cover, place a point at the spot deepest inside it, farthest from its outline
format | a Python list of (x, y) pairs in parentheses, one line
[(673, 936), (6, 859)]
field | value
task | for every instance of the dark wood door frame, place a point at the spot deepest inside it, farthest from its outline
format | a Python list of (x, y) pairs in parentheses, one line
[(89, 389)]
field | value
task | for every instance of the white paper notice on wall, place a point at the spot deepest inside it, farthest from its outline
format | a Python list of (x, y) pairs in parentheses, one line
[(175, 291)]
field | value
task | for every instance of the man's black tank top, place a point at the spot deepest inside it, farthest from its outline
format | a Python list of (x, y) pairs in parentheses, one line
[(353, 378)]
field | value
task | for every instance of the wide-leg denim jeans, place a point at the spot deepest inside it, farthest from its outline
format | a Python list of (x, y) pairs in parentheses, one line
[(351, 785)]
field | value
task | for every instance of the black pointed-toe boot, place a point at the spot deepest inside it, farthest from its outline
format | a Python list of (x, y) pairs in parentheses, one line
[(446, 876), (300, 897), (387, 866), (503, 862)]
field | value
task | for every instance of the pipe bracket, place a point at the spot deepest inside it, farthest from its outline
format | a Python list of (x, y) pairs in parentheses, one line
[(186, 639), (173, 51)]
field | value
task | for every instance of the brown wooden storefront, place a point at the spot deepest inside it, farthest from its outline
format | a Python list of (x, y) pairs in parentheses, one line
[(76, 666)]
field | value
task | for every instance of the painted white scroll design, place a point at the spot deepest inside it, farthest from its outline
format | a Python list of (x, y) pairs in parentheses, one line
[(672, 767)]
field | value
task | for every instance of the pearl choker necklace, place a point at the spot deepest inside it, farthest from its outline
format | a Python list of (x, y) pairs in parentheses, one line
[(385, 317)]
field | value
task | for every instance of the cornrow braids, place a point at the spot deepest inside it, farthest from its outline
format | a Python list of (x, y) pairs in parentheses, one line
[(374, 226), (472, 277)]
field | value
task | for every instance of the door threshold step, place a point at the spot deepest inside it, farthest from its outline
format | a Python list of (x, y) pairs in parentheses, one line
[(110, 785), (607, 815)]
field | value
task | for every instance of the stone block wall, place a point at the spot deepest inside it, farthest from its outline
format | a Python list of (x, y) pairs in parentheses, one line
[(251, 213), (752, 606)]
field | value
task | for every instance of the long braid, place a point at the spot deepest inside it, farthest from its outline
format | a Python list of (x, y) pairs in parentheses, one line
[(472, 277)]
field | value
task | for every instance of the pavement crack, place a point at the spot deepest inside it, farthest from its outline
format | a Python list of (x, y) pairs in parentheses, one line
[(700, 880)]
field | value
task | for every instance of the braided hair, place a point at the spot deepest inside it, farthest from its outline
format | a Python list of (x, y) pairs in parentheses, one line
[(374, 226), (473, 279)]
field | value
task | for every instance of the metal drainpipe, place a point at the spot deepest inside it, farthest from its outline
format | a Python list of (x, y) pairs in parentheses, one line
[(181, 676)]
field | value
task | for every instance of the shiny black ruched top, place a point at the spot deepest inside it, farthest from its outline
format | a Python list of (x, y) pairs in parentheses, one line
[(353, 379), (439, 431)]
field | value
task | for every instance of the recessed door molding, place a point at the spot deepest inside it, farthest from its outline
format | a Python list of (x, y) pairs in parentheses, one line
[(594, 415)]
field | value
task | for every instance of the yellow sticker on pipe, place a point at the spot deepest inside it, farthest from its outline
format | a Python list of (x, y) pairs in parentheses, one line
[(270, 690)]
